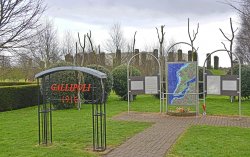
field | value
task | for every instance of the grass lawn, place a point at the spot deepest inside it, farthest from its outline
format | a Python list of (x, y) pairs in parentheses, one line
[(218, 71), (212, 141), (72, 131)]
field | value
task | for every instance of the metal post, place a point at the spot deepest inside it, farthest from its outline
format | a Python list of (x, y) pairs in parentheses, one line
[(38, 111)]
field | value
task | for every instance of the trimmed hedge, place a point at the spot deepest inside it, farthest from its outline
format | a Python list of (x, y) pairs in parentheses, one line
[(16, 97), (89, 79), (15, 83), (245, 81), (120, 80), (61, 77)]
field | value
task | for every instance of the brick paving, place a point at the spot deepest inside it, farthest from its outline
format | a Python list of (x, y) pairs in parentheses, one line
[(156, 140)]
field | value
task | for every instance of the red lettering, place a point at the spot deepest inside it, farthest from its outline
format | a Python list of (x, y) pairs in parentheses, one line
[(86, 89), (53, 87), (62, 89), (66, 88), (71, 87)]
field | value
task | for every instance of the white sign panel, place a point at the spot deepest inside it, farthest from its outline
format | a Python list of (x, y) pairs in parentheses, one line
[(151, 85), (230, 85), (137, 85), (213, 85)]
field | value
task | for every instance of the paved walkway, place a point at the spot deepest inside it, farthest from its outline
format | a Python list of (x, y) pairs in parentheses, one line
[(156, 140)]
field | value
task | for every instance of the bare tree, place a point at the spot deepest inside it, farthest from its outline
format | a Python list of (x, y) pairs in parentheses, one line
[(45, 45), (161, 38), (18, 20), (68, 43), (116, 39), (231, 40), (243, 37), (192, 39), (89, 36), (82, 46)]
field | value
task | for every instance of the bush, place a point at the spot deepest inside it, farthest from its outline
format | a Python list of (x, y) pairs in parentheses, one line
[(16, 97), (120, 80), (89, 79), (245, 81), (15, 83), (62, 77)]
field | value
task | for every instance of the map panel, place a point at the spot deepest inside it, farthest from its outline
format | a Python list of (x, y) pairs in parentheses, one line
[(181, 81)]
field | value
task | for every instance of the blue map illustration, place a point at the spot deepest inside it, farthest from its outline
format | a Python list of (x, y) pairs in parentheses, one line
[(181, 80)]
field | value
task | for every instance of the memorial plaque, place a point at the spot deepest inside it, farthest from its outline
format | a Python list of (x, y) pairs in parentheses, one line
[(230, 85), (137, 85), (214, 85), (151, 85)]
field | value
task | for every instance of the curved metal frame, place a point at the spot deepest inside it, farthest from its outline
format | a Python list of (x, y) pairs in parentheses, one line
[(98, 108), (204, 73), (197, 75), (159, 74)]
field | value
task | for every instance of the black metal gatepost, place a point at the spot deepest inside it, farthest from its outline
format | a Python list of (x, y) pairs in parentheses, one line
[(44, 116), (99, 120)]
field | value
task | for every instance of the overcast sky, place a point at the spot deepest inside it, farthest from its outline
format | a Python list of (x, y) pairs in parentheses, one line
[(143, 16)]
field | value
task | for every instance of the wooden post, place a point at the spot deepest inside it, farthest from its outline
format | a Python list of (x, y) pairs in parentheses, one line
[(195, 56), (69, 58), (137, 58), (155, 53), (171, 57), (190, 56), (216, 62), (179, 55), (102, 58), (208, 62)]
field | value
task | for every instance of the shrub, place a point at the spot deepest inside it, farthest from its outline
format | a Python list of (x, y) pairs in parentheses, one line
[(15, 83), (62, 77), (89, 79), (16, 97), (245, 81), (120, 80)]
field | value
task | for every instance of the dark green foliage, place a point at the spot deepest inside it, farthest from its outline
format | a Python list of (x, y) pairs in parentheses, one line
[(245, 81), (62, 77), (15, 83), (15, 97), (120, 79), (89, 79)]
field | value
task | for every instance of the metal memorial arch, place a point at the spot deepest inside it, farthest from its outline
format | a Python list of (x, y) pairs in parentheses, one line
[(98, 105), (229, 85), (189, 96)]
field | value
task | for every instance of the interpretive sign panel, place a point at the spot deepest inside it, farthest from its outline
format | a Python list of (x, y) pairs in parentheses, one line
[(181, 83), (151, 85), (137, 85), (213, 85), (230, 85)]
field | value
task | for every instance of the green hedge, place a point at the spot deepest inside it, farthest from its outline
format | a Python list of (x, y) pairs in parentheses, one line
[(245, 81), (15, 83), (16, 97), (120, 80)]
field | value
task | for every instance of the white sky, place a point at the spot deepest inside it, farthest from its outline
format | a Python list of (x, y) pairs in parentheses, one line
[(143, 16)]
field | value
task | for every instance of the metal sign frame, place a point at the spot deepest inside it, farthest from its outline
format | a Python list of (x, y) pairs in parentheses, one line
[(128, 79), (239, 77), (98, 107), (197, 72)]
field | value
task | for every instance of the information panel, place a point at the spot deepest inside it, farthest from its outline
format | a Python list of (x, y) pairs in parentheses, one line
[(213, 85), (182, 79), (151, 85)]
